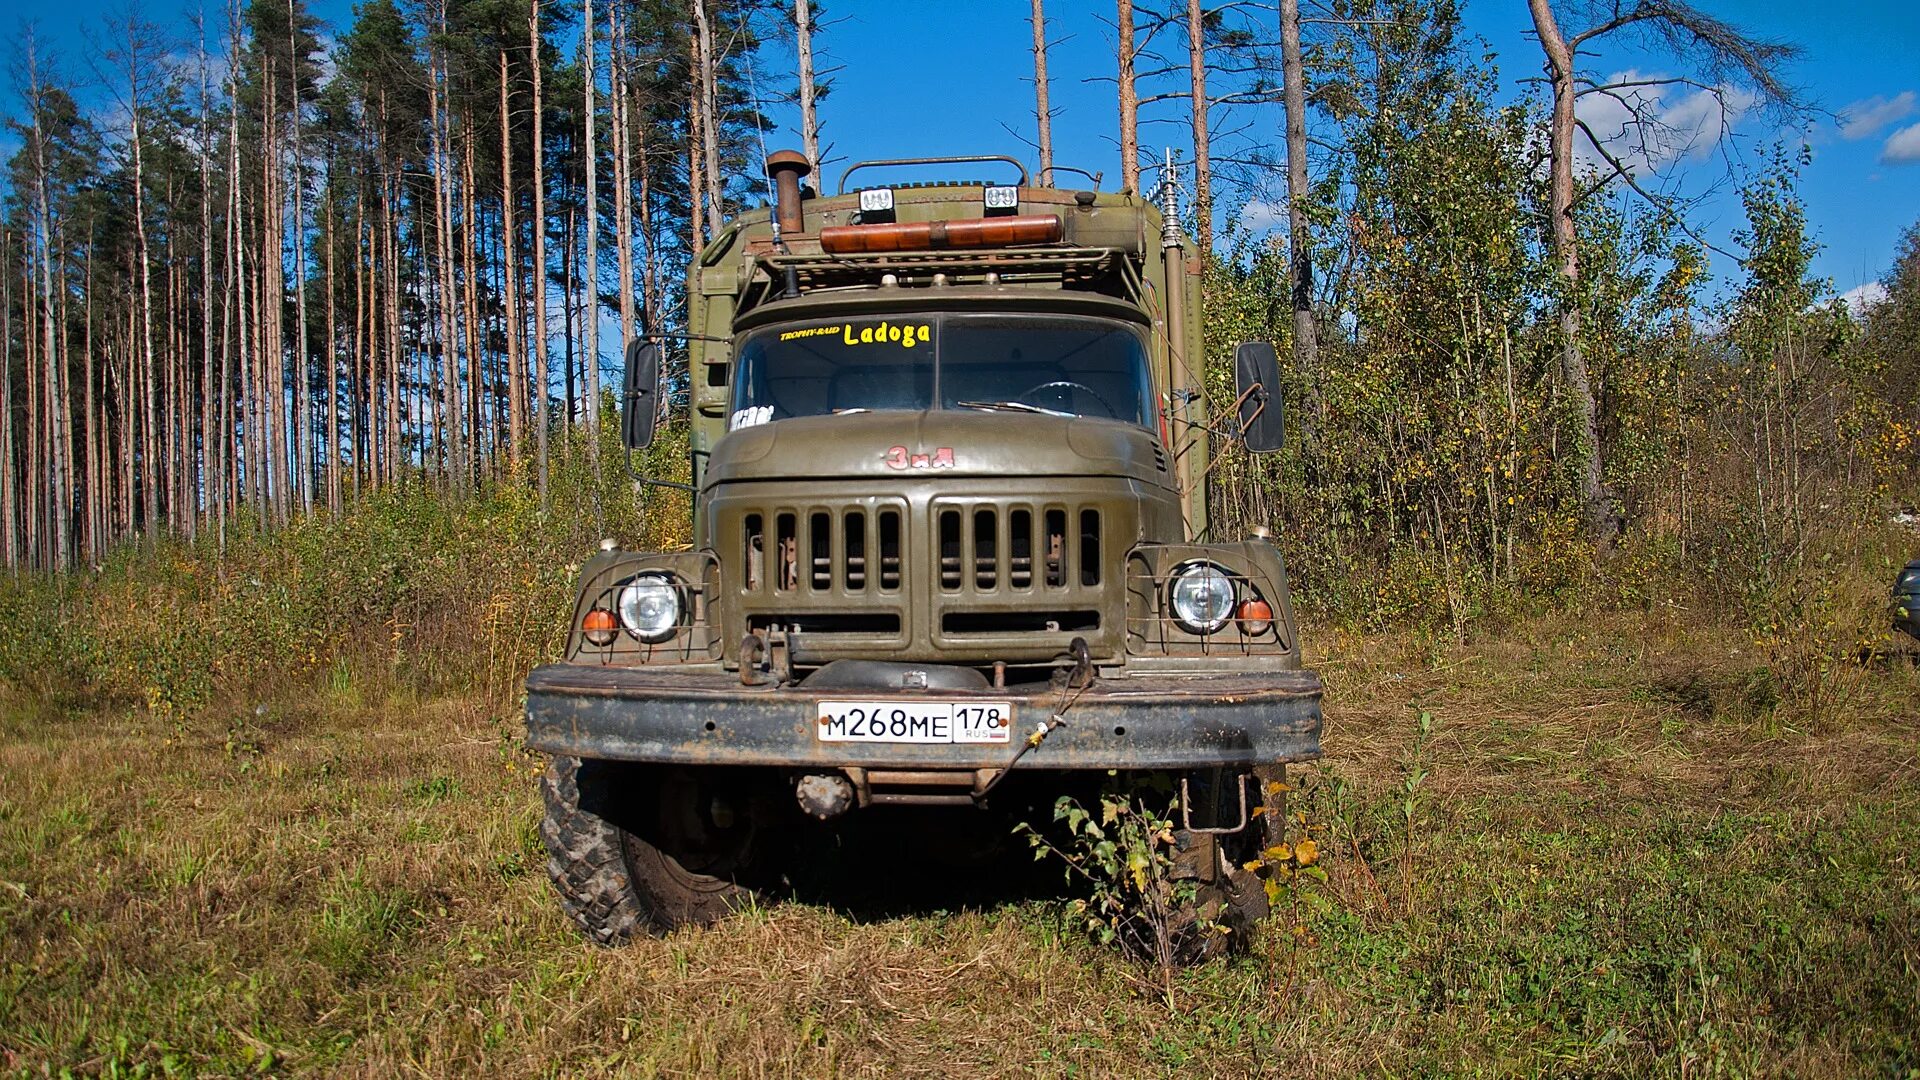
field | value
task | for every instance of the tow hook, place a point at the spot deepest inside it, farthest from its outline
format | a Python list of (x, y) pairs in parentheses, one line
[(765, 655), (753, 653), (1082, 676), (1207, 801)]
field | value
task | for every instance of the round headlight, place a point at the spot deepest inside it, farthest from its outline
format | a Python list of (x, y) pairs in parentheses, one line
[(1202, 598), (650, 607)]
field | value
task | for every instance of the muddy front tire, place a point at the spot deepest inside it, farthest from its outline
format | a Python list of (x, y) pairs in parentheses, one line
[(619, 855)]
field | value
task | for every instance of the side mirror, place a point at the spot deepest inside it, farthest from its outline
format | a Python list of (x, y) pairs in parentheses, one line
[(1256, 371), (640, 401)]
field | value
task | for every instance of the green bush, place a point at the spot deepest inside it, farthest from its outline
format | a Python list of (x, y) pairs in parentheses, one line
[(406, 588)]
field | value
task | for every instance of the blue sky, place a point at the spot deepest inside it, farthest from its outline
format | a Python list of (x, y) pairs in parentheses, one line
[(927, 77)]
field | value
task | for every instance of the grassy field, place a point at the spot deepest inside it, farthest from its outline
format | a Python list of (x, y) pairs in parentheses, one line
[(1616, 853)]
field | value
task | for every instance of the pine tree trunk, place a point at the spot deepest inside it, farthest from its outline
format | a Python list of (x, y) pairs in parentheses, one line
[(510, 279), (1306, 334), (360, 420), (63, 406), (540, 375), (56, 498), (330, 457), (396, 446), (649, 287), (567, 335), (149, 460), (244, 473), (92, 542), (1129, 102), (272, 315), (30, 301), (232, 299), (696, 172), (9, 486), (450, 413), (167, 379), (302, 357), (1042, 110), (208, 485), (469, 307), (124, 411), (809, 118), (590, 276), (1202, 152), (710, 119), (622, 174)]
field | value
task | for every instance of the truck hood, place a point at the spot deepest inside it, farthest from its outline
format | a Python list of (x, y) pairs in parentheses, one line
[(938, 443)]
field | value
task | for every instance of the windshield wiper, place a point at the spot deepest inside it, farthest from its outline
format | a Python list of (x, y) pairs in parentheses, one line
[(1011, 406)]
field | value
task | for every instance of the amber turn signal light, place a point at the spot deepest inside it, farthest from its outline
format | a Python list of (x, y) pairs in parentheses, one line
[(599, 626), (1256, 616)]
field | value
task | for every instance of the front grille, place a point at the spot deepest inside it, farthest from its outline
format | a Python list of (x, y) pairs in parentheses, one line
[(959, 577), (990, 548), (826, 550)]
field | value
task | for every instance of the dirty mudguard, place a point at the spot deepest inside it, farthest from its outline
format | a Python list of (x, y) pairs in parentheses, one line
[(1240, 720)]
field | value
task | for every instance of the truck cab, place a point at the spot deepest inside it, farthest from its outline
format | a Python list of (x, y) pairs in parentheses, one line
[(950, 540)]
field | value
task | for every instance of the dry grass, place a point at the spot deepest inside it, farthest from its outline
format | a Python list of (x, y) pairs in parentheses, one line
[(1621, 864)]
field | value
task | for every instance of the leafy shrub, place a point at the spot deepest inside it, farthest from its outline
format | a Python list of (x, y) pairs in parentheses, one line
[(406, 588)]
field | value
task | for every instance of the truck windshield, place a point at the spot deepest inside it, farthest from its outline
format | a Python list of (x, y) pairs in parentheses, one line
[(1051, 364)]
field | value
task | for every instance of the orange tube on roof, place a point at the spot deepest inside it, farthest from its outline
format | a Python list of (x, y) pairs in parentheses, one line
[(935, 235)]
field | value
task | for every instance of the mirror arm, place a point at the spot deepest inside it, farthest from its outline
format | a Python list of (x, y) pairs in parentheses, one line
[(1259, 395)]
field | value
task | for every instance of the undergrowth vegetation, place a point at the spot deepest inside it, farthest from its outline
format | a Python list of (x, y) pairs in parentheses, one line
[(407, 589)]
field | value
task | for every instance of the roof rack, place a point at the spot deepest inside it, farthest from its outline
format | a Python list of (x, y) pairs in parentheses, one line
[(1072, 266), (902, 162)]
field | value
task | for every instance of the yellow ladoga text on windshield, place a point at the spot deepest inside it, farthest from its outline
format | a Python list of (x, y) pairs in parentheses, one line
[(888, 334)]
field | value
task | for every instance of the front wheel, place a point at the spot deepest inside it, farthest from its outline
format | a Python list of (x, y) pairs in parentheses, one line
[(642, 850), (1227, 901)]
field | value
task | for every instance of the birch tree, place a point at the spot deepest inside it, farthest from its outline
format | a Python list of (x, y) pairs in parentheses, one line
[(1723, 59)]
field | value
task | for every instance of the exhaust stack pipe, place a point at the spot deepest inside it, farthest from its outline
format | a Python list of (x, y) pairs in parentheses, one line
[(786, 168)]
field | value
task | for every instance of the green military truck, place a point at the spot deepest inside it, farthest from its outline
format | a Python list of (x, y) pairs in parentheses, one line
[(950, 549)]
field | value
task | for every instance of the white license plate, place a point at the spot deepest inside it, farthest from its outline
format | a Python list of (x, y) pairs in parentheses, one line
[(915, 721)]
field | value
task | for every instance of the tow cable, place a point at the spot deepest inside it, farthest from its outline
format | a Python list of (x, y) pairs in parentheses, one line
[(1078, 680)]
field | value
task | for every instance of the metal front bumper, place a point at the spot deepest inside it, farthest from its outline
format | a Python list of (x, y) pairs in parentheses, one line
[(707, 718)]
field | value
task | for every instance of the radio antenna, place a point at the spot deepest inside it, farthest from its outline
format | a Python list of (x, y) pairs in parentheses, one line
[(760, 130)]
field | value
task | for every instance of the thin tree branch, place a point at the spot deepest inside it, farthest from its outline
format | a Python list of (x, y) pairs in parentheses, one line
[(1660, 203)]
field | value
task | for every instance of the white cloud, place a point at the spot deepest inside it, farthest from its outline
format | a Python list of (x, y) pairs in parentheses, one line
[(1866, 117), (1260, 216), (1903, 146), (1649, 127), (1861, 297)]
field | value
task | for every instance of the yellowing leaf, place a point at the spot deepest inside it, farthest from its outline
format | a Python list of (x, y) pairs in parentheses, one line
[(1307, 852), (1279, 852), (1278, 786)]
